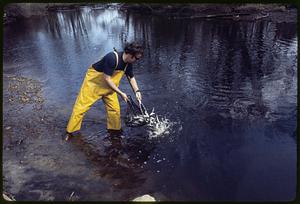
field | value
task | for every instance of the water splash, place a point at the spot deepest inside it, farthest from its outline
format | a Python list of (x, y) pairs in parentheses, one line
[(157, 127)]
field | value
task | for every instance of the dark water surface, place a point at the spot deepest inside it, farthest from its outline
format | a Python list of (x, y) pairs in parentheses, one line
[(231, 86)]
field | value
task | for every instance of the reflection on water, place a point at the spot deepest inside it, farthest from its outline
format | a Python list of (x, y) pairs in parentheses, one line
[(230, 84), (120, 163)]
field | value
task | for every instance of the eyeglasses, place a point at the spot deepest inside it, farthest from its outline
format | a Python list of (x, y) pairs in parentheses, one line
[(137, 58)]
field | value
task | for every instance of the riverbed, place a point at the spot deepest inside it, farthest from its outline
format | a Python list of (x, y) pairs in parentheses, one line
[(229, 86)]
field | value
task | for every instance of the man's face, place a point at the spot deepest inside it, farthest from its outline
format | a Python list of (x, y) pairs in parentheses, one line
[(136, 57)]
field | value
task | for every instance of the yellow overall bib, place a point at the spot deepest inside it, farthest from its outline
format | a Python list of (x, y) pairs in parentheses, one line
[(93, 88)]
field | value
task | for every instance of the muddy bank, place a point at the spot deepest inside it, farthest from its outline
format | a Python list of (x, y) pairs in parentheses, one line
[(26, 124), (24, 91), (34, 154)]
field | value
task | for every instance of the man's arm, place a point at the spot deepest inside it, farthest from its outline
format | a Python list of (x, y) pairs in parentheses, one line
[(133, 84), (135, 88), (111, 84)]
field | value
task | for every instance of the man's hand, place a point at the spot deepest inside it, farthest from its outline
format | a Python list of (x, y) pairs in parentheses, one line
[(138, 96), (124, 96)]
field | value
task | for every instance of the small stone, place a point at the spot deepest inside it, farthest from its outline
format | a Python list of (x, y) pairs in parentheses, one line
[(8, 127)]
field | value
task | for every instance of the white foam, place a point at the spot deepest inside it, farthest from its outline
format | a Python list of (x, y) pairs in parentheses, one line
[(157, 127)]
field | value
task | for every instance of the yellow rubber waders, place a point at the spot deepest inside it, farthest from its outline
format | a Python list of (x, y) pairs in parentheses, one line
[(92, 89)]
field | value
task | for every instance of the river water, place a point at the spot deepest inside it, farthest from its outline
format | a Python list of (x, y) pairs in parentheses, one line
[(229, 86)]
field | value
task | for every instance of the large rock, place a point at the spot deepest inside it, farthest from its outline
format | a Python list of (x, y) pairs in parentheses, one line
[(8, 198), (144, 198)]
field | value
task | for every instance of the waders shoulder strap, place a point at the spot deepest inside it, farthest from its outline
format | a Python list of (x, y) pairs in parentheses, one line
[(117, 60)]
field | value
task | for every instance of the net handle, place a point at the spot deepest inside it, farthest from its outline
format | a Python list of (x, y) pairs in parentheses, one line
[(132, 105), (141, 106)]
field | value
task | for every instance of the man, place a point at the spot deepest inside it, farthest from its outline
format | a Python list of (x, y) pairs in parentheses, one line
[(101, 82)]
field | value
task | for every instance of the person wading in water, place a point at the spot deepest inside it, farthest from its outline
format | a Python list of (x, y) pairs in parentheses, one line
[(101, 81)]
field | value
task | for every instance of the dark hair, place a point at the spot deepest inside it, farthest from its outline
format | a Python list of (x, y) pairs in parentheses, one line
[(134, 48)]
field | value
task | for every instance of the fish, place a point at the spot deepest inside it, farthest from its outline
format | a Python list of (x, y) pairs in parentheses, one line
[(155, 125), (138, 116)]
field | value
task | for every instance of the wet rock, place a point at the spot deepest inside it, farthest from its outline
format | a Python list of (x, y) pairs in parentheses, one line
[(8, 197), (144, 198)]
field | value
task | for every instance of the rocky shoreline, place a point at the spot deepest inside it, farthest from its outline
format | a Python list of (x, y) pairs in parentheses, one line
[(15, 11)]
